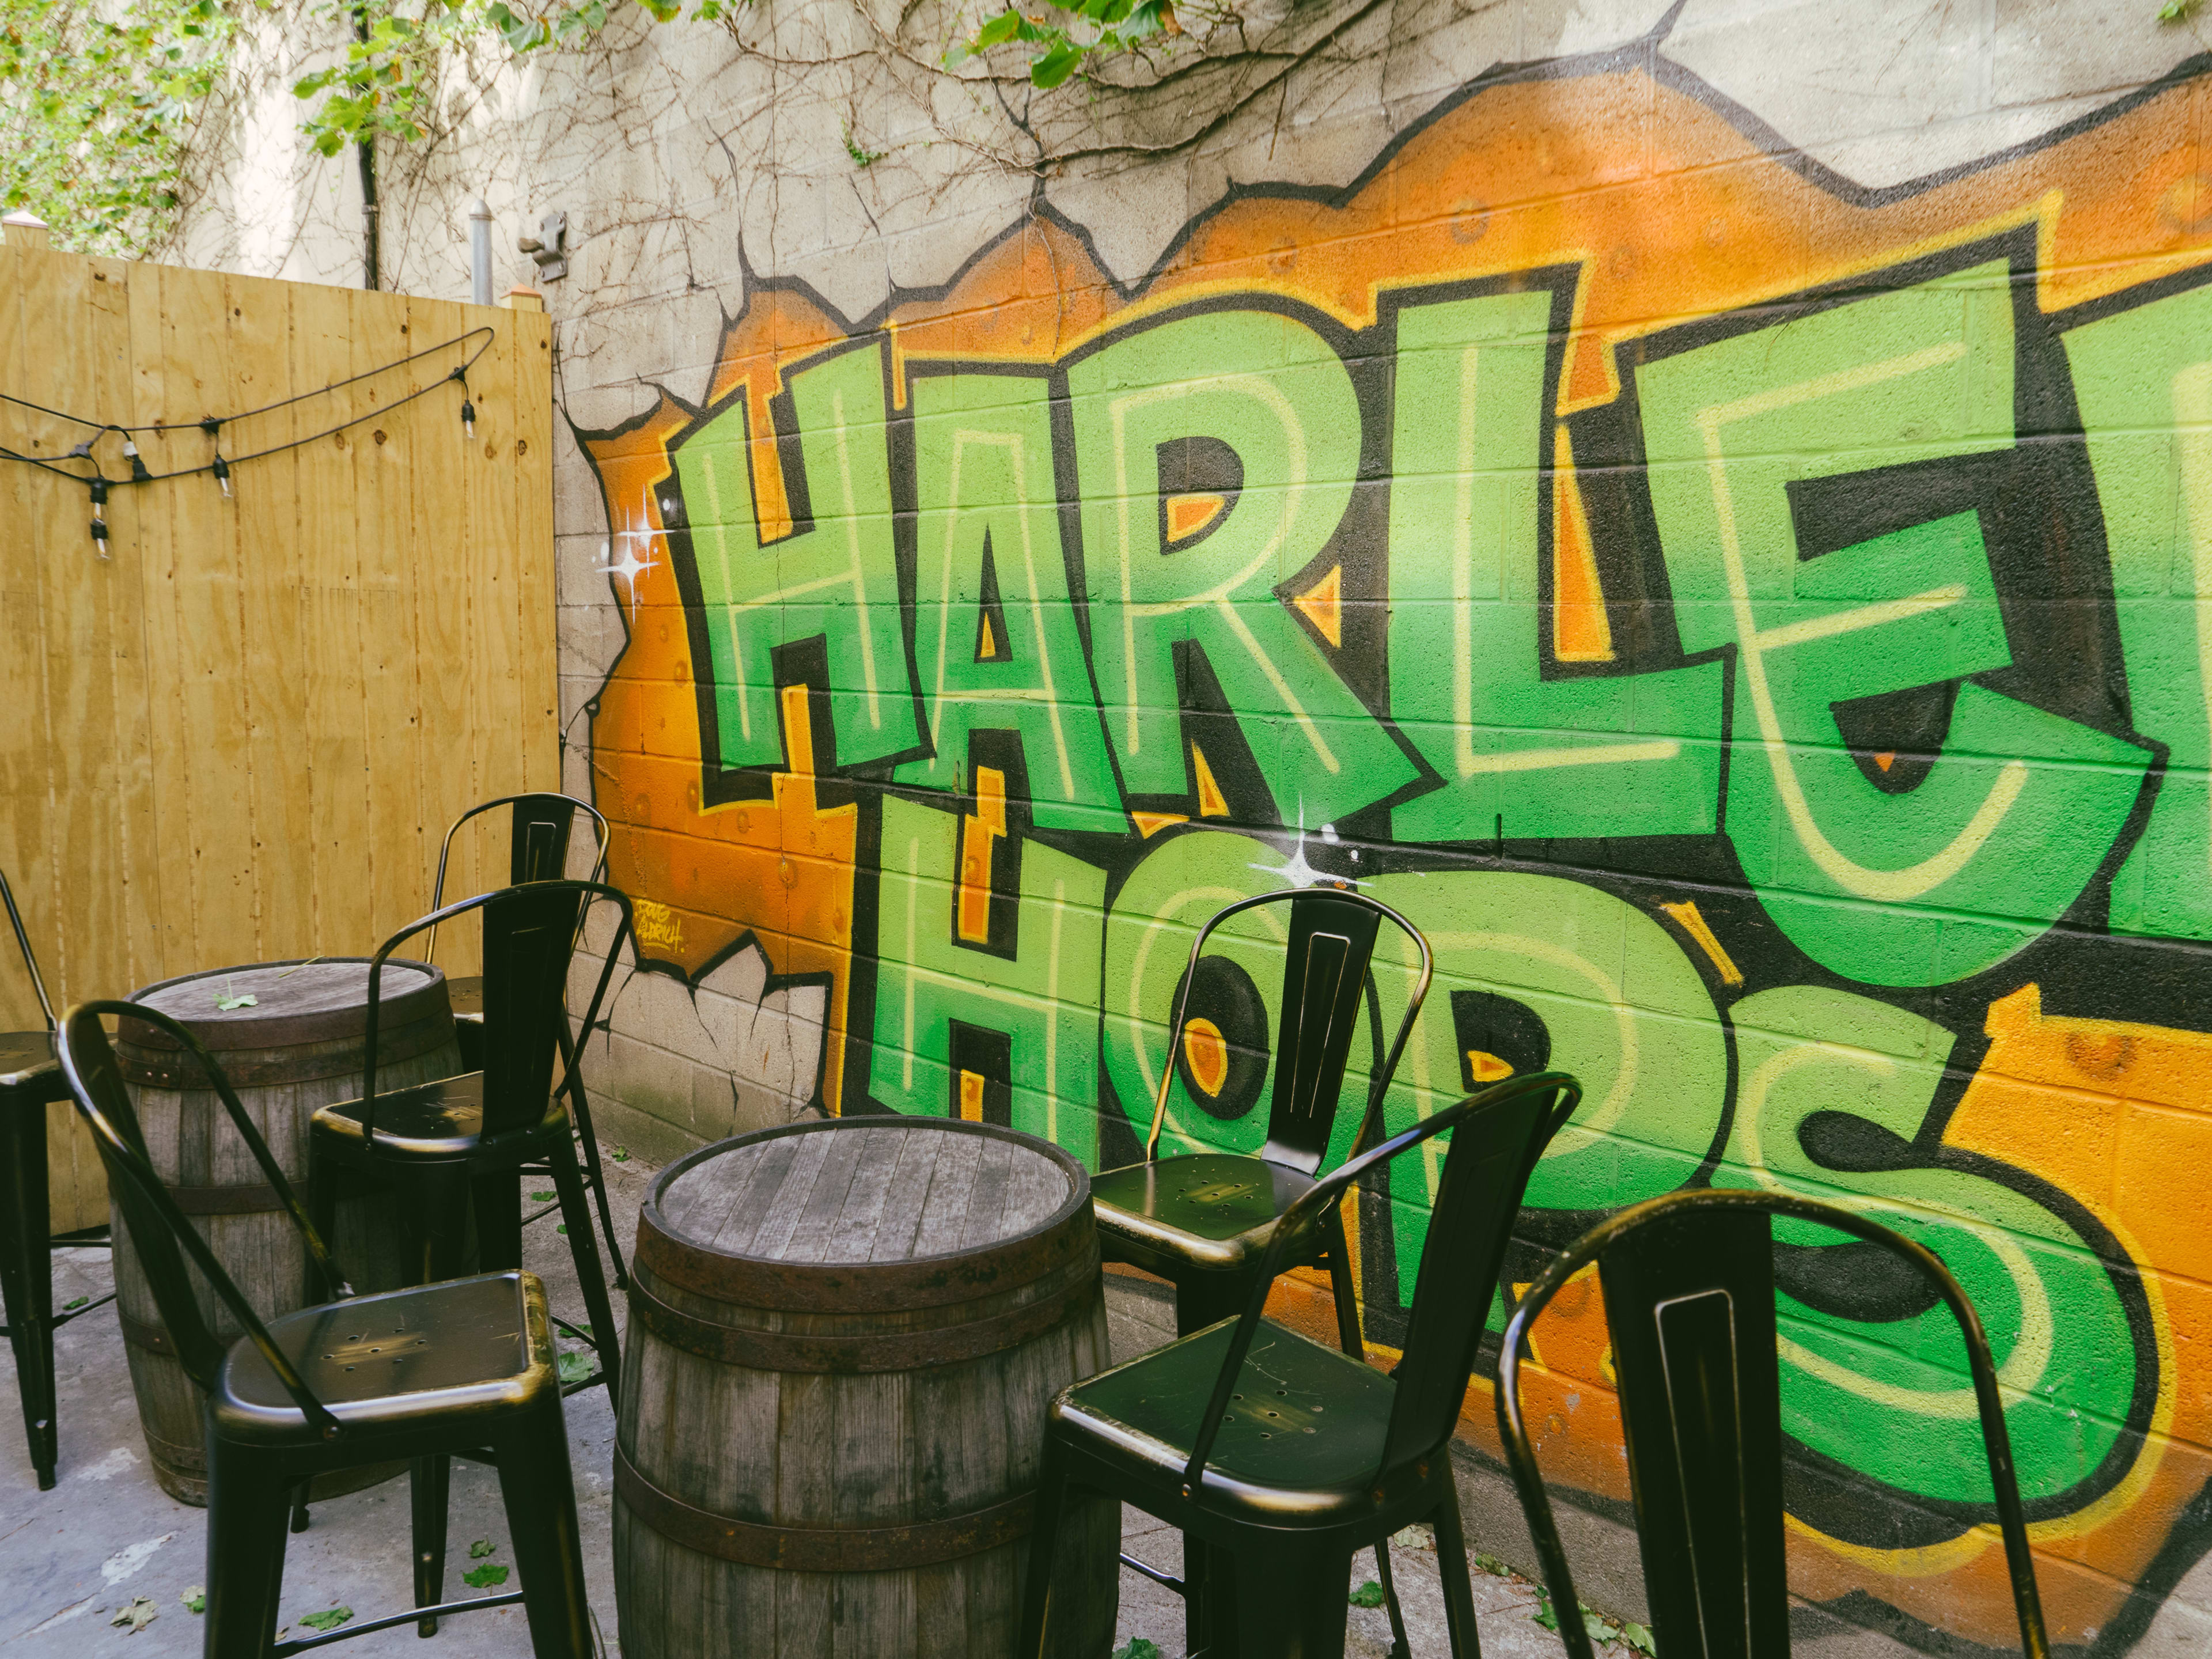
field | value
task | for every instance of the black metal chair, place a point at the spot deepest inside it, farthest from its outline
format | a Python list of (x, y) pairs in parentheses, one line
[(1286, 1457), (466, 1367), (1203, 1220), (1689, 1302), (455, 1147), (31, 1078), (538, 828)]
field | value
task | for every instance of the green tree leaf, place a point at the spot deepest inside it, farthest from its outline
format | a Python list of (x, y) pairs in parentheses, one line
[(485, 1576)]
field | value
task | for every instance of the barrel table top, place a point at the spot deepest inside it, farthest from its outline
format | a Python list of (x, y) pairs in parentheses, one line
[(309, 1000), (877, 1211)]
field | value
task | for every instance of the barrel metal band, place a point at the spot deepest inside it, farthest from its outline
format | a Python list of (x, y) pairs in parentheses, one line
[(820, 1549), (226, 1200), (893, 1350), (139, 1335), (863, 1286)]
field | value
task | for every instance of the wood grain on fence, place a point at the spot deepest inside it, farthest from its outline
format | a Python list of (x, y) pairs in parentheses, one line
[(240, 735)]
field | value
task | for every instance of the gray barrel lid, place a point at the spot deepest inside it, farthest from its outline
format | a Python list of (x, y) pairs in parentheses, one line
[(306, 1001), (864, 1213)]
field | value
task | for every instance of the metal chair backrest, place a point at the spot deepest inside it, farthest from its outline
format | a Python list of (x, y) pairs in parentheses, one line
[(159, 1233), (1325, 961), (537, 843), (530, 933), (1498, 1135), (23, 943), (1690, 1305)]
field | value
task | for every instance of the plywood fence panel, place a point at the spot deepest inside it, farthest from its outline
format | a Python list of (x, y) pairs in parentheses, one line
[(242, 735)]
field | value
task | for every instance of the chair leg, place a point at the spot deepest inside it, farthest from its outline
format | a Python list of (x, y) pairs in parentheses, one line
[(498, 1199), (1340, 1287), (324, 1176), (535, 1486), (569, 1181), (1209, 1579), (441, 1193), (428, 1480), (1399, 1647), (1451, 1569), (1044, 1535), (579, 1109), (27, 1275), (1292, 1608), (247, 1497), (300, 1506)]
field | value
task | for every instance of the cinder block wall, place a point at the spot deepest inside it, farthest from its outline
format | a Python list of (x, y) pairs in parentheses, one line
[(1708, 511)]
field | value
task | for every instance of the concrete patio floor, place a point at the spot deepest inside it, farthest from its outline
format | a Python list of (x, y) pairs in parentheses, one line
[(71, 1559)]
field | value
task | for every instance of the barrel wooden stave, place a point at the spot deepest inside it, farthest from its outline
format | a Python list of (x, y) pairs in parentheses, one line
[(193, 1147), (822, 1449)]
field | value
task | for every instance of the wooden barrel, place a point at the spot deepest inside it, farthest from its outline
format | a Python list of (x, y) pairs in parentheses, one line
[(299, 1045), (842, 1339)]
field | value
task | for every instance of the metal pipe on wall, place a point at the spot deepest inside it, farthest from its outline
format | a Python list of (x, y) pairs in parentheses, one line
[(480, 252)]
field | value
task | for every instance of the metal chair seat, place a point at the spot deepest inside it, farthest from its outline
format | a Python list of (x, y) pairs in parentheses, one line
[(439, 1120), (27, 1060), (1299, 1443), (396, 1360), (466, 994), (1206, 1210)]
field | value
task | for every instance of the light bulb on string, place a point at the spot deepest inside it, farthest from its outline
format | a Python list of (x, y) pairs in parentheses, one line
[(468, 409), (99, 524), (220, 468)]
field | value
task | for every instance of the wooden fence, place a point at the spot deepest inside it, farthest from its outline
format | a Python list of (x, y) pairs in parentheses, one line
[(239, 736)]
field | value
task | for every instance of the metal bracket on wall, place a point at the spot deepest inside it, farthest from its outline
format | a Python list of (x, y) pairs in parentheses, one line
[(549, 247)]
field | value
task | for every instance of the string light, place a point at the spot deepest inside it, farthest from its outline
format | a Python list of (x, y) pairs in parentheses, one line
[(218, 466)]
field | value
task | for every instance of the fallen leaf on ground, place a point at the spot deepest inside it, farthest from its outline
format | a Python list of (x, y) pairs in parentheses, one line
[(1138, 1648), (140, 1613), (330, 1620), (576, 1367), (1369, 1595), (543, 1198), (195, 1599), (485, 1576), (481, 1548)]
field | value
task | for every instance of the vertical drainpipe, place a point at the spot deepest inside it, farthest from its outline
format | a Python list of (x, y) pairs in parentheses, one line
[(365, 153), (480, 252)]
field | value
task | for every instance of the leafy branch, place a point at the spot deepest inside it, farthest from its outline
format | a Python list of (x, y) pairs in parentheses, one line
[(1059, 50), (99, 105)]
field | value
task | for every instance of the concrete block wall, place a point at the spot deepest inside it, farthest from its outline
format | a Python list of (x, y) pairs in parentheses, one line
[(1705, 508)]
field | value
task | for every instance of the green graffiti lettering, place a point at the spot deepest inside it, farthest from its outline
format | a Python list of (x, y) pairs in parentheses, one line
[(1273, 392), (1465, 684), (1045, 999), (1011, 659), (838, 579), (2143, 380), (1833, 1090), (2016, 815), (1615, 1000), (1169, 897)]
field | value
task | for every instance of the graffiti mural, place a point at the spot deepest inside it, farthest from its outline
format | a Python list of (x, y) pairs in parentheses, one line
[(1759, 628)]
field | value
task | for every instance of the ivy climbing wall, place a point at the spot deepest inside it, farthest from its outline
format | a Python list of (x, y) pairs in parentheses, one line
[(1758, 626)]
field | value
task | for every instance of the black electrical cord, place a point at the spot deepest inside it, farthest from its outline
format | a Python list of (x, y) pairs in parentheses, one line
[(220, 467)]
